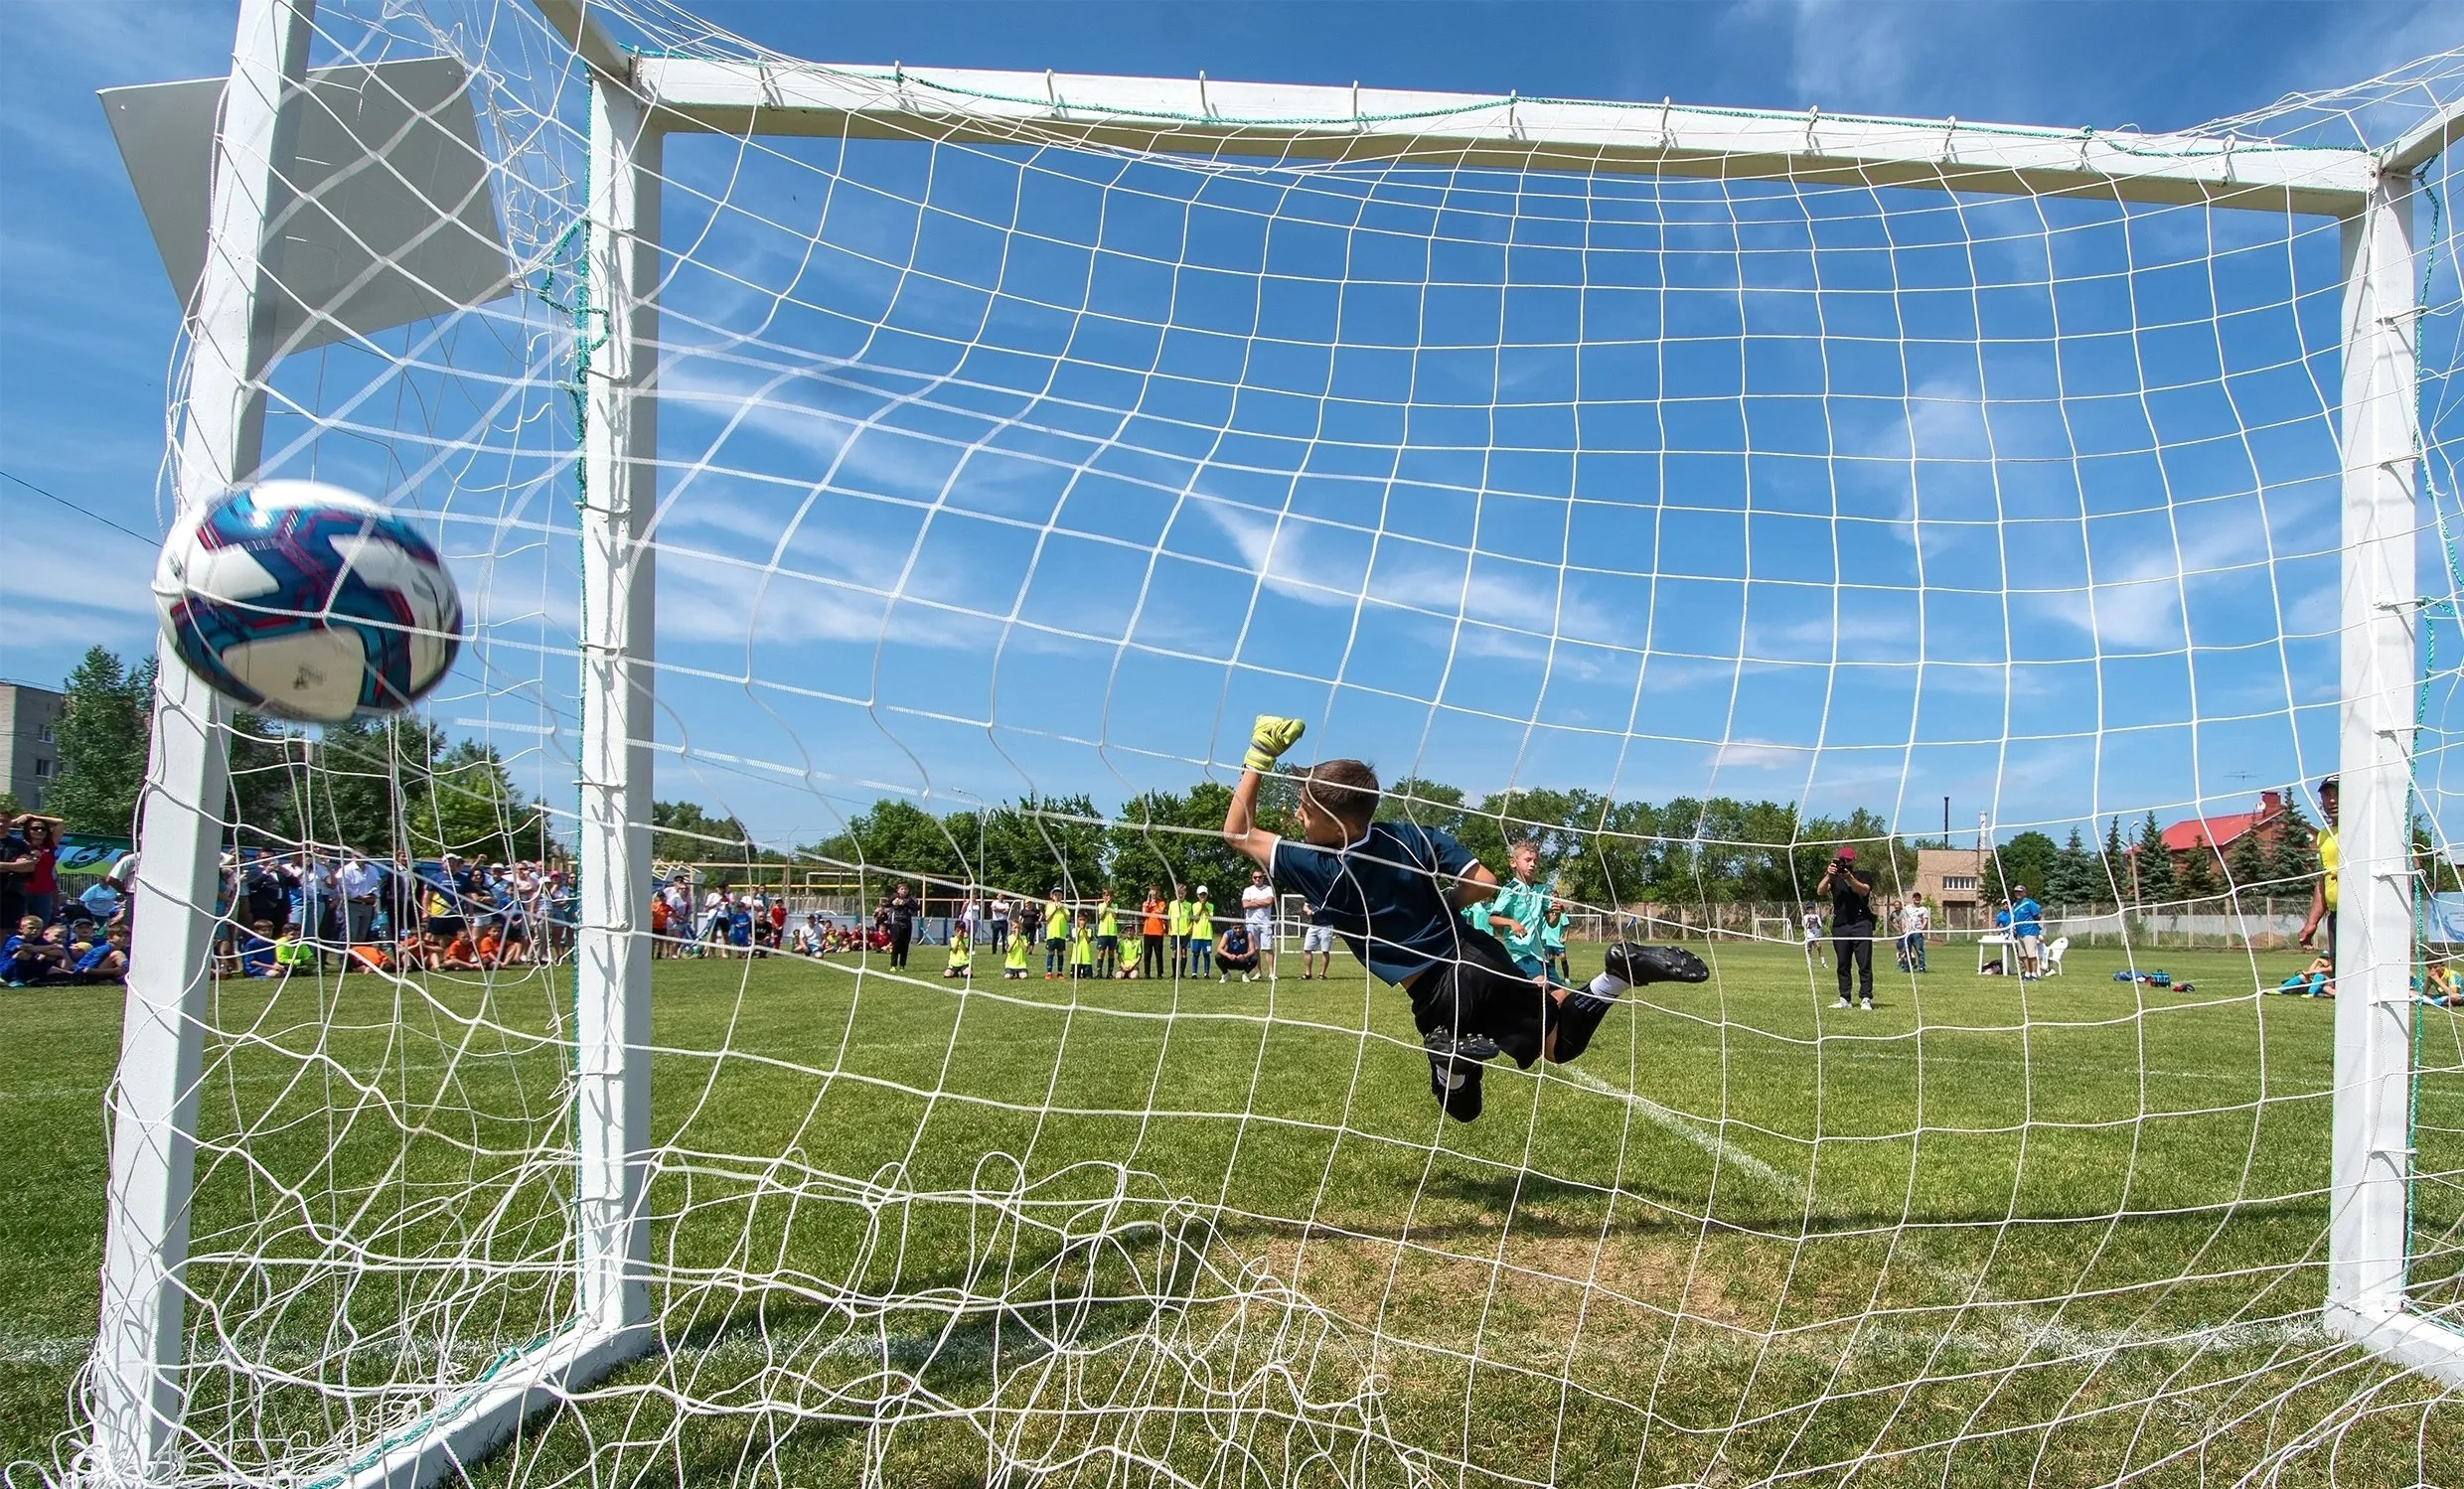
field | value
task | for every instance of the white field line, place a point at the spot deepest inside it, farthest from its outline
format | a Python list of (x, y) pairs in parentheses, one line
[(1710, 1141)]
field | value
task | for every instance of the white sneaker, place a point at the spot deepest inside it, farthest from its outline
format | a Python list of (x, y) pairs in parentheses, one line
[(1867, 1006), (1843, 1002)]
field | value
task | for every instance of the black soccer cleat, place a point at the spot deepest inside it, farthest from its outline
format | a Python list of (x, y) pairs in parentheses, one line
[(1637, 964), (1454, 1075)]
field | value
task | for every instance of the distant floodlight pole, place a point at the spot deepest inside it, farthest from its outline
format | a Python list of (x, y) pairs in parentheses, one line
[(135, 1391), (2372, 1158)]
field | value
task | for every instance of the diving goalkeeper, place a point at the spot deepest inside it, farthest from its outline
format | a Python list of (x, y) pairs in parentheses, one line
[(1392, 891)]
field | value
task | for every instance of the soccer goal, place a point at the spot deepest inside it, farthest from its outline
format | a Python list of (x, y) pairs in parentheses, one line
[(909, 474)]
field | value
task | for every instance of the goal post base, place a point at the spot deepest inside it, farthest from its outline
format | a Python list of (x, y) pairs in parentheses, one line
[(2416, 1342), (486, 1416)]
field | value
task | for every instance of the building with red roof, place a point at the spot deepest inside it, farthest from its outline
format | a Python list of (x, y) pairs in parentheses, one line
[(2220, 833)]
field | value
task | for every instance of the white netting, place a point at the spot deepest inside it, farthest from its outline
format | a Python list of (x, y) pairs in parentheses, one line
[(1692, 526)]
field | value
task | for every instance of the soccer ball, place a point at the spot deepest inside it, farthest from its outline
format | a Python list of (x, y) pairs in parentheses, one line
[(304, 601)]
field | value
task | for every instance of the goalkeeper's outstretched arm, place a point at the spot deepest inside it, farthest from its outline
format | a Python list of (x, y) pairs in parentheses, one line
[(1240, 827), (1269, 737)]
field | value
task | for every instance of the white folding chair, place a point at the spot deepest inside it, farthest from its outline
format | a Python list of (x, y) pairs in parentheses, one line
[(2052, 955)]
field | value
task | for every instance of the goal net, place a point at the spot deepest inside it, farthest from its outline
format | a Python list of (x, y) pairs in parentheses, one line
[(1692, 496)]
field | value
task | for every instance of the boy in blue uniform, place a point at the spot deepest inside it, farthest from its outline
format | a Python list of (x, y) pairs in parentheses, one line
[(1393, 891)]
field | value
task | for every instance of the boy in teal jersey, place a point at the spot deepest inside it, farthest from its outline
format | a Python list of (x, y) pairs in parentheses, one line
[(1517, 909), (1553, 941)]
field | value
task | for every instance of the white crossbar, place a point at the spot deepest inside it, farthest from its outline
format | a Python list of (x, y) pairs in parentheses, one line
[(1461, 130)]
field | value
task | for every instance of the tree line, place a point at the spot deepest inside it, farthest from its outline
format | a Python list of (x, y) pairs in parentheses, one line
[(380, 785), (400, 786)]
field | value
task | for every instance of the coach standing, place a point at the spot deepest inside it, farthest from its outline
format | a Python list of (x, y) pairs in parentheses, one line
[(1852, 926)]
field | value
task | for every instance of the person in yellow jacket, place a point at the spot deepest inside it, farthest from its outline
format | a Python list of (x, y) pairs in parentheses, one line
[(1056, 935), (1107, 938), (1176, 927), (2322, 893), (1132, 946), (1082, 949), (962, 953), (1013, 960)]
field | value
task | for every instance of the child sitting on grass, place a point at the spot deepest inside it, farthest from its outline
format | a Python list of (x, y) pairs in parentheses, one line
[(1014, 957), (256, 952), (1393, 890), (962, 953), (29, 956), (459, 955), (107, 960), (292, 954)]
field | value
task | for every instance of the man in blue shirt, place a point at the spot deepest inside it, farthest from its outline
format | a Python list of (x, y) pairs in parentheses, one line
[(1393, 891), (2028, 929)]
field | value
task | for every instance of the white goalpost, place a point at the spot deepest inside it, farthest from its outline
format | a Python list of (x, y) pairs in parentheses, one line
[(772, 321)]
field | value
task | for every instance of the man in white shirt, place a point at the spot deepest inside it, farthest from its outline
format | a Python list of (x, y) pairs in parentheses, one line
[(360, 883), (1258, 912)]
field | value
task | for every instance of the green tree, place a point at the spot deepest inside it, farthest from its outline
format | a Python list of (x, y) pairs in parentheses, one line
[(2246, 865), (896, 839), (2293, 858), (2028, 858), (2074, 878), (1432, 804), (2151, 866), (1167, 839), (2113, 864), (103, 736), (686, 832), (1038, 842), (469, 806), (2196, 873), (1616, 857)]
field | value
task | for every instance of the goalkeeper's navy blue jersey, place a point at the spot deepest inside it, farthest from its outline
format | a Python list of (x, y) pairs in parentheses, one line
[(1385, 894)]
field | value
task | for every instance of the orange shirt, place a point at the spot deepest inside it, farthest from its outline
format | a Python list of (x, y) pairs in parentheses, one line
[(460, 950), (1154, 916)]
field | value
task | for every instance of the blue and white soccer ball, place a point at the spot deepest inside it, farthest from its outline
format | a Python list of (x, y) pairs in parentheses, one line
[(304, 601)]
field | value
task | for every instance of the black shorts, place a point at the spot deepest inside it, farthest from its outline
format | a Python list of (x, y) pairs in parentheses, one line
[(1108, 942), (1482, 991)]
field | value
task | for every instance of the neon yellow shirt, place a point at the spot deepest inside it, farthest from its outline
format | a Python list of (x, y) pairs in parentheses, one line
[(959, 954), (1202, 920), (1016, 958), (2329, 853), (1107, 923), (1056, 921), (1082, 947), (1177, 915)]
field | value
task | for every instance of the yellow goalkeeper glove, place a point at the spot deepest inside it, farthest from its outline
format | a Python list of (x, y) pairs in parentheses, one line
[(1270, 737)]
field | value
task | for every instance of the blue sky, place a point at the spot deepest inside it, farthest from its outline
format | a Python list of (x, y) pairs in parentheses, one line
[(1052, 484)]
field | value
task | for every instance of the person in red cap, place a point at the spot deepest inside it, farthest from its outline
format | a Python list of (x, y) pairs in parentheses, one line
[(1852, 925)]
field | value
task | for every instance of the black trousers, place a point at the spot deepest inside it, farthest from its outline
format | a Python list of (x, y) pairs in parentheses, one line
[(1150, 958), (901, 935), (1856, 941)]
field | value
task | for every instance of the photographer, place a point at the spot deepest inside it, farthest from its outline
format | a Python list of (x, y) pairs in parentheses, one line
[(1852, 925)]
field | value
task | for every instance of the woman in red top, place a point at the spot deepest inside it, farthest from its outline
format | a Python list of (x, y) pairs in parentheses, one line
[(1150, 955), (42, 890)]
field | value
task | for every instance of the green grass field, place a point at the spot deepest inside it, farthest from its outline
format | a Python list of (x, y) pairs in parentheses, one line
[(2063, 1233)]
